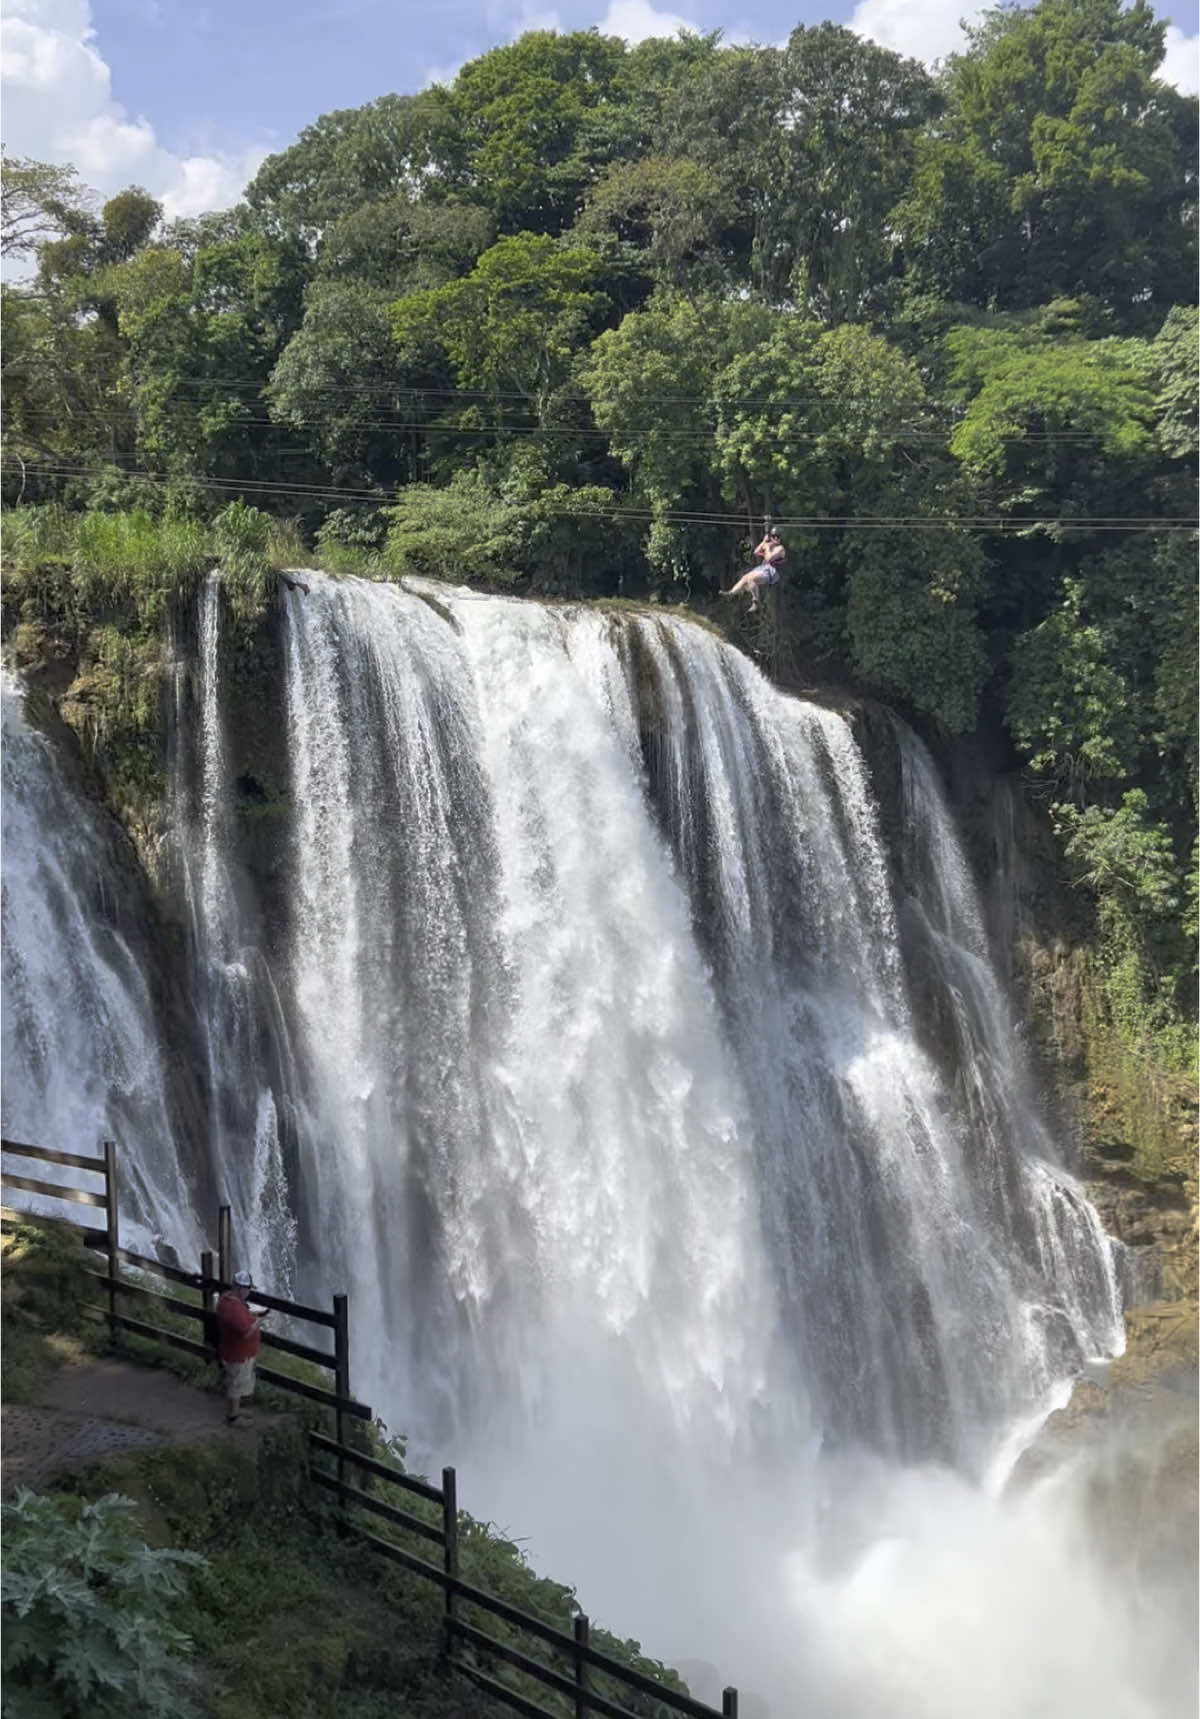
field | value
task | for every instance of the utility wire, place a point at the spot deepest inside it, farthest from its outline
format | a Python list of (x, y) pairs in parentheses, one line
[(401, 426), (632, 513), (472, 396)]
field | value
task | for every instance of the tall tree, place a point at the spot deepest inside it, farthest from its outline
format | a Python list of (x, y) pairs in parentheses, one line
[(1063, 165), (850, 117), (347, 158), (528, 137), (37, 199), (510, 329)]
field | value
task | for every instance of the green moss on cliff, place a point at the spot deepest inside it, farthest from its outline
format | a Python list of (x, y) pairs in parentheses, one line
[(88, 603)]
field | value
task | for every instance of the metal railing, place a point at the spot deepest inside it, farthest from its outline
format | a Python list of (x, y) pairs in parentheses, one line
[(471, 1650), (208, 1283)]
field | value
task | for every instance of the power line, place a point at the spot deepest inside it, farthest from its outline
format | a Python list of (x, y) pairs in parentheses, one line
[(763, 403), (1147, 523), (899, 435)]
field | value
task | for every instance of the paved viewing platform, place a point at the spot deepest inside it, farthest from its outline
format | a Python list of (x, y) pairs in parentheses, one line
[(96, 1407)]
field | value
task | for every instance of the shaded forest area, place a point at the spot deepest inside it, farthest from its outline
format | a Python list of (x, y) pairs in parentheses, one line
[(574, 324)]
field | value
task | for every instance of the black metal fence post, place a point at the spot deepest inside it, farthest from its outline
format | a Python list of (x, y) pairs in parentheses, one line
[(206, 1295), (450, 1548), (581, 1641), (112, 1226), (341, 1378), (729, 1704), (225, 1246)]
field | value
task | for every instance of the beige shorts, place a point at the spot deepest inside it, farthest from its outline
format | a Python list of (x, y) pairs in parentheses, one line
[(239, 1378)]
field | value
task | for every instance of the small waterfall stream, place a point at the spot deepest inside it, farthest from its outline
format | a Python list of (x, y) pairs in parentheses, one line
[(83, 1051), (231, 984)]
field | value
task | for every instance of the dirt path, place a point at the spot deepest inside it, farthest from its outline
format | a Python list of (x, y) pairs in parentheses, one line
[(95, 1407)]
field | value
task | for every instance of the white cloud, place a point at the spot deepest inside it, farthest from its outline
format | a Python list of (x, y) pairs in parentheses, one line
[(1181, 66), (930, 29), (638, 20), (635, 20), (442, 74), (508, 19), (920, 29), (58, 106)]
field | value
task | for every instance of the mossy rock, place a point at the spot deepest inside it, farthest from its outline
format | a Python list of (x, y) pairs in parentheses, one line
[(1137, 1398)]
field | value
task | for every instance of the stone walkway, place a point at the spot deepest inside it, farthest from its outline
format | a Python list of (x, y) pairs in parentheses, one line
[(95, 1408)]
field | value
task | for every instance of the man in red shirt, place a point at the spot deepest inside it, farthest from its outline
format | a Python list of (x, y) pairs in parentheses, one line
[(238, 1342)]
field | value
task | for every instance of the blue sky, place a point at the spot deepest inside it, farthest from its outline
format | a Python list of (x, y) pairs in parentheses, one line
[(187, 96)]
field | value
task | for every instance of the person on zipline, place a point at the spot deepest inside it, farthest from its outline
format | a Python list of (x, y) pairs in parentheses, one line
[(770, 555)]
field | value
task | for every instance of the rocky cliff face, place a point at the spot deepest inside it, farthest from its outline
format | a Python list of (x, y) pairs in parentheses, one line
[(1128, 1435), (1133, 1124), (1127, 1124)]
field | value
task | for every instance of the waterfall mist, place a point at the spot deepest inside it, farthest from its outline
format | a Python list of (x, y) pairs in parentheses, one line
[(661, 1110)]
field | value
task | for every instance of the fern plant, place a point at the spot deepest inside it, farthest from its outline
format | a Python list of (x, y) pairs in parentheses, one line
[(88, 1614)]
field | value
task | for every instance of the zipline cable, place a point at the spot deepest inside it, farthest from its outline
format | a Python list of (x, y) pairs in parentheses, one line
[(1146, 523)]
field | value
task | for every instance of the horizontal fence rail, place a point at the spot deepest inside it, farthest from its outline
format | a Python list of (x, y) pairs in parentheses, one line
[(572, 1646), (382, 1470), (55, 1190), (47, 1155), (460, 1637), (204, 1282)]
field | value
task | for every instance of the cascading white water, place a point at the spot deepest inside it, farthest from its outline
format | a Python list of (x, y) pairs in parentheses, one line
[(935, 1335), (667, 1128), (627, 1140), (231, 987), (84, 1057)]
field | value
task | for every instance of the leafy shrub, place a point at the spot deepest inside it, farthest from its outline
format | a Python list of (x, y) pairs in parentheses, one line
[(287, 547), (350, 539), (242, 535), (358, 528), (1126, 862), (112, 490), (462, 531), (32, 534), (87, 1613), (1069, 709), (240, 529), (910, 621)]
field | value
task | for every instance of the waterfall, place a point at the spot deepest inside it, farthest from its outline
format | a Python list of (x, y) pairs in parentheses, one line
[(628, 1136), (900, 1260), (231, 985), (654, 1099), (84, 1055)]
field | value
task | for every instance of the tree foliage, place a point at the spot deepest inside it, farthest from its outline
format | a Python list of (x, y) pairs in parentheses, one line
[(1063, 164), (509, 329), (89, 1613), (37, 201)]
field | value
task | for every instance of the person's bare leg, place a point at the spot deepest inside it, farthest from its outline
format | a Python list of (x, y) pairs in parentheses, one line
[(743, 583)]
